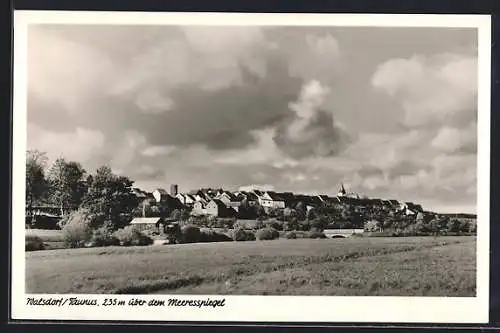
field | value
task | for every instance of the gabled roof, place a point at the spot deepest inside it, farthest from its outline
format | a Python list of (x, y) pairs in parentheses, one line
[(219, 203), (231, 196), (161, 191), (394, 202), (275, 196), (146, 220), (202, 202), (251, 196), (258, 193), (323, 197)]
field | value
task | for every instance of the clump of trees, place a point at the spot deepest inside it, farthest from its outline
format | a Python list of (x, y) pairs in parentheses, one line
[(92, 206)]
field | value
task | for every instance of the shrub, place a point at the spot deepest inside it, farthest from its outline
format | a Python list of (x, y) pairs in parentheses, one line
[(82, 214), (212, 236), (33, 243), (275, 224), (103, 237), (316, 234), (190, 234), (249, 224), (130, 236), (291, 235), (77, 231), (240, 235), (267, 234), (372, 226), (304, 226), (226, 222)]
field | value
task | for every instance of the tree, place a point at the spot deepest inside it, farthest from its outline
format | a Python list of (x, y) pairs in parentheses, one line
[(301, 210), (185, 214), (176, 214), (311, 214), (36, 184), (66, 183), (111, 196), (372, 226)]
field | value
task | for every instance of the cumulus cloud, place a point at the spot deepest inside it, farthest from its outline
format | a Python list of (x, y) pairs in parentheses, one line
[(432, 90), (453, 140), (311, 130), (261, 187), (158, 150), (84, 143)]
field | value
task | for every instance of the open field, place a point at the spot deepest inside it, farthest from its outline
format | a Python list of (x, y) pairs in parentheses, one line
[(52, 239), (413, 266)]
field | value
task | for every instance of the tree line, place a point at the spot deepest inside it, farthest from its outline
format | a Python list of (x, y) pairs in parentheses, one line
[(67, 185)]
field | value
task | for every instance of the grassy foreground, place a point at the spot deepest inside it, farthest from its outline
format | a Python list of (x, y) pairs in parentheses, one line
[(413, 266)]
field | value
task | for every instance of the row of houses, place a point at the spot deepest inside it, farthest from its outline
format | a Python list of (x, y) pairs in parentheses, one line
[(223, 203)]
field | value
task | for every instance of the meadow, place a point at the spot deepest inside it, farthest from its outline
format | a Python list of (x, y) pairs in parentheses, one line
[(390, 266)]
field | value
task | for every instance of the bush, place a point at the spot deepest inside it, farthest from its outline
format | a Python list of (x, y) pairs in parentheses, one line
[(275, 224), (249, 224), (77, 231), (291, 235), (103, 237), (241, 235), (190, 234), (316, 234), (33, 243), (226, 222), (372, 226), (212, 236), (82, 214), (130, 236), (267, 234), (304, 226)]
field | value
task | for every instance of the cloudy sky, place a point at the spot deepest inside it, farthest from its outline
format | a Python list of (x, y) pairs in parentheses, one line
[(391, 112)]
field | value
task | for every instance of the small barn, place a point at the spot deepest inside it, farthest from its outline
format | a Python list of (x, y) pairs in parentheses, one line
[(154, 224)]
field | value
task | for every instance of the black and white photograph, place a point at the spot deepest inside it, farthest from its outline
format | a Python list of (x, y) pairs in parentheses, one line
[(197, 157)]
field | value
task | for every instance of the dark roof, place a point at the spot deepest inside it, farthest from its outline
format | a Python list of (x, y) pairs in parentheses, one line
[(231, 196), (162, 191), (257, 192), (333, 199), (275, 196), (349, 200), (324, 197), (251, 196), (219, 204), (139, 193), (394, 202), (287, 196)]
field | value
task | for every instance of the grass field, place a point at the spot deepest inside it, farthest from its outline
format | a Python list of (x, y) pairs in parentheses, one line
[(52, 239), (413, 266)]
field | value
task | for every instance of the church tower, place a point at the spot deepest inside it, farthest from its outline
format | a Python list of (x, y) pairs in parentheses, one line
[(342, 192)]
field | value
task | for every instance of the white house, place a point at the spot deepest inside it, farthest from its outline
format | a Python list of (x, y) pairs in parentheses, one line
[(199, 208), (271, 199)]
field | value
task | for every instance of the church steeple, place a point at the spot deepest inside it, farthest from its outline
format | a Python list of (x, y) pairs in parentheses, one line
[(342, 192)]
